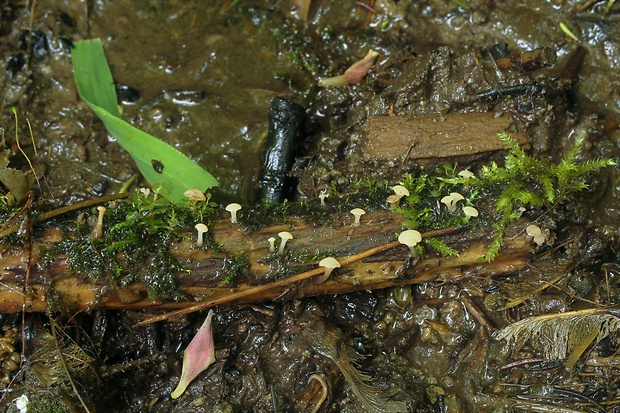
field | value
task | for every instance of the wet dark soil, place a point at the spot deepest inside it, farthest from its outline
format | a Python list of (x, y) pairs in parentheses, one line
[(201, 75)]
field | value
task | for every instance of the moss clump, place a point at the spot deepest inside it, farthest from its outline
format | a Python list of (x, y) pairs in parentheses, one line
[(500, 192), (136, 244)]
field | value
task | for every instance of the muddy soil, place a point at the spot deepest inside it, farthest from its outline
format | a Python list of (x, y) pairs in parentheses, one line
[(201, 75)]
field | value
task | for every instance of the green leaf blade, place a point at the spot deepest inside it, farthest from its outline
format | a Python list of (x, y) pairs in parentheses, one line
[(162, 165)]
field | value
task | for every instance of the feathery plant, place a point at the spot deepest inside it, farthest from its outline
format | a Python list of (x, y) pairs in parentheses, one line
[(531, 182)]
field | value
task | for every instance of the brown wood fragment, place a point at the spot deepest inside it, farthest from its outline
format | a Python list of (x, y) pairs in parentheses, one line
[(436, 136)]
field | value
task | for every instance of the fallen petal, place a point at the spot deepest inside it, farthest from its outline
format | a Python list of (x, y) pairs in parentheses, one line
[(198, 355), (355, 73)]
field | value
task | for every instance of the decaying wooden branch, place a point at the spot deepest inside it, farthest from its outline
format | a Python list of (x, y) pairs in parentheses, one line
[(369, 254)]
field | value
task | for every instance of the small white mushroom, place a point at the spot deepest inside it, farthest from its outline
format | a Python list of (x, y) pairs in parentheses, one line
[(202, 229), (97, 231), (535, 232), (451, 200), (470, 211), (410, 238), (329, 263), (399, 192), (357, 213), (322, 197), (393, 201), (145, 192), (284, 236), (233, 208), (272, 244), (195, 195), (466, 174)]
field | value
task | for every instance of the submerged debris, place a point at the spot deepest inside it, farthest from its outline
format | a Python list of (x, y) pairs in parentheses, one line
[(331, 342)]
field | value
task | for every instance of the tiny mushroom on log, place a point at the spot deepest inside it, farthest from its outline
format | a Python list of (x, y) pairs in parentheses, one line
[(233, 208), (272, 244), (322, 197), (195, 195), (329, 263), (399, 192), (470, 211), (410, 238), (535, 232), (202, 229), (466, 174), (451, 200), (284, 236), (97, 231), (357, 213)]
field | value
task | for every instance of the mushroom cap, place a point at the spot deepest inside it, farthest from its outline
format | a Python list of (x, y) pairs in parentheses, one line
[(466, 174), (470, 211), (195, 195), (329, 262), (446, 200), (456, 196), (201, 227), (358, 211), (271, 239), (233, 207), (410, 237), (533, 230), (392, 198), (285, 235), (101, 208), (400, 190)]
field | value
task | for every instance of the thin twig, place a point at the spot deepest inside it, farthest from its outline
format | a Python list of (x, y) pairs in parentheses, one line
[(249, 291)]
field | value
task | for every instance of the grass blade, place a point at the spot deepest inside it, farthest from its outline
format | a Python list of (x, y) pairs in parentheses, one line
[(161, 165)]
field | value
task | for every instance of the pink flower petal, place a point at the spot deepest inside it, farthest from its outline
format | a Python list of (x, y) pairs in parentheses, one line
[(197, 356)]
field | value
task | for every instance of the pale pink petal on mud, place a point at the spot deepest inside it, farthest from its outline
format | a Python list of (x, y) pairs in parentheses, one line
[(354, 74), (197, 356)]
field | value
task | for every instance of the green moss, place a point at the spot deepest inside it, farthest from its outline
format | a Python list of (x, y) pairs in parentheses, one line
[(136, 243), (235, 267), (498, 192), (46, 402)]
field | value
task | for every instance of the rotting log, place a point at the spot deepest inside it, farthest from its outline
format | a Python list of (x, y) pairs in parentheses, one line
[(391, 267), (436, 136)]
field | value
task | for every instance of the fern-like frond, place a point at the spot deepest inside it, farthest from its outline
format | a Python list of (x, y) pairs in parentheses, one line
[(561, 334)]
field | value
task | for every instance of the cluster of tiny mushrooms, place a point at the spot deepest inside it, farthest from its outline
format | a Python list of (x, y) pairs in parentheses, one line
[(409, 237)]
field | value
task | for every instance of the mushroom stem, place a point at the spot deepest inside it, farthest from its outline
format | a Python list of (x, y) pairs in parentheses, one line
[(233, 208), (284, 236), (202, 229), (329, 263), (357, 213), (322, 197), (272, 244), (98, 229)]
